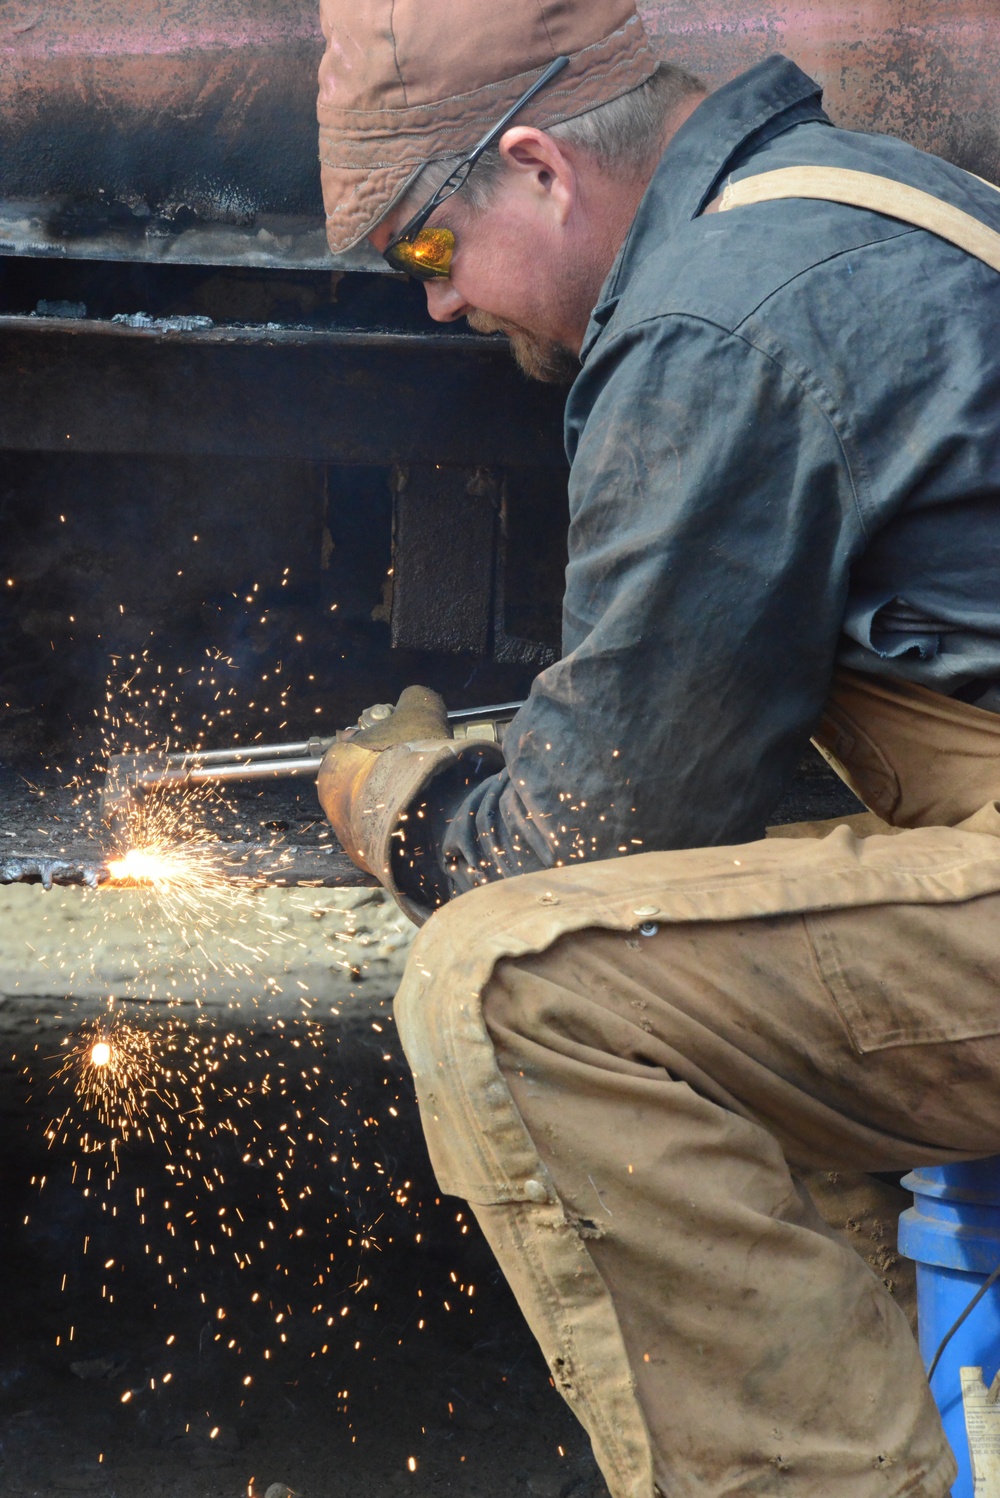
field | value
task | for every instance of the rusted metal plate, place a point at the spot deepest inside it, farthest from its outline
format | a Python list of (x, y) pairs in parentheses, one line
[(148, 120), (206, 105), (185, 129), (925, 70)]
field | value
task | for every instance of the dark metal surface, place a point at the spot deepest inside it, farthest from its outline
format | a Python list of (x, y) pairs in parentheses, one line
[(815, 794), (530, 568), (478, 559), (444, 538), (342, 396), (213, 482)]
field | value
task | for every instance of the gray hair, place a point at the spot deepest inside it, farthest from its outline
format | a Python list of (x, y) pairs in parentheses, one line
[(624, 135)]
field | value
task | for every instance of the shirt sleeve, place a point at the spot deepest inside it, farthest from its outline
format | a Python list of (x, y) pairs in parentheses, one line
[(713, 522)]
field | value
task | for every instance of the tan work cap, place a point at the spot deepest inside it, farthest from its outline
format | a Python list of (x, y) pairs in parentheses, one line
[(404, 82)]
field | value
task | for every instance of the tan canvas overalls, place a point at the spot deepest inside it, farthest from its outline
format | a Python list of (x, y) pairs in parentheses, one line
[(627, 1067)]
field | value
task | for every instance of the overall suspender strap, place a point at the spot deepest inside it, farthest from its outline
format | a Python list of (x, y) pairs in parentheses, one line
[(879, 194)]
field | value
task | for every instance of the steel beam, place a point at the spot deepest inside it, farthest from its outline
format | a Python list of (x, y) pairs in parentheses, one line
[(341, 397)]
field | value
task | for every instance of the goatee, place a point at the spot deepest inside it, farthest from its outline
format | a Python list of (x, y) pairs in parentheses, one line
[(540, 358)]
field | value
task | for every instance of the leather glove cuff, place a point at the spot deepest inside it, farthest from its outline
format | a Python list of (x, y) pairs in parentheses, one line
[(367, 797)]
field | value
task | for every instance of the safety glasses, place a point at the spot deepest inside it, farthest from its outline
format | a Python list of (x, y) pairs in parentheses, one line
[(427, 253)]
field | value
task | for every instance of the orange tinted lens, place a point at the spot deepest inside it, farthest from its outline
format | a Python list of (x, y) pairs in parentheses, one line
[(427, 255)]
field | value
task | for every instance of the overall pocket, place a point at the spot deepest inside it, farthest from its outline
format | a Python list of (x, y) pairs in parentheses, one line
[(905, 975)]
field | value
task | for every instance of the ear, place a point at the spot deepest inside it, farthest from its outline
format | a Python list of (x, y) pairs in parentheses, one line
[(542, 166)]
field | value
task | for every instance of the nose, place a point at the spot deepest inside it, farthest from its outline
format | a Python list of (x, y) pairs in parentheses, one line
[(444, 302)]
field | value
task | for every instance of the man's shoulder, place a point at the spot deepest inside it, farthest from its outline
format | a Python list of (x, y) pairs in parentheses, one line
[(723, 268)]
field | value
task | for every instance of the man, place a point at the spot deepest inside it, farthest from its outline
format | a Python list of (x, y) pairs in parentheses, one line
[(785, 521)]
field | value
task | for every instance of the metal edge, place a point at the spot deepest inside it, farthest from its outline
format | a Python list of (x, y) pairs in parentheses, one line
[(259, 333)]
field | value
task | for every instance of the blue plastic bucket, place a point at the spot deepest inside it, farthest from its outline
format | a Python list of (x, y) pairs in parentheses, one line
[(953, 1232)]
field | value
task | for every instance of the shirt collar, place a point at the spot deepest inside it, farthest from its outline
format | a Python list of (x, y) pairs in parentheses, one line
[(735, 120)]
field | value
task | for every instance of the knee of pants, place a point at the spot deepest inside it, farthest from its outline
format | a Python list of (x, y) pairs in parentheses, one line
[(437, 1006), (479, 1146)]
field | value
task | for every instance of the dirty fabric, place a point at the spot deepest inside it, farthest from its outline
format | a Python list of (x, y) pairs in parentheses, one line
[(627, 1068), (915, 758), (785, 455), (733, 1300)]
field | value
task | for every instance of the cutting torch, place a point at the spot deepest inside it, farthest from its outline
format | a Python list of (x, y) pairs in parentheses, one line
[(132, 776)]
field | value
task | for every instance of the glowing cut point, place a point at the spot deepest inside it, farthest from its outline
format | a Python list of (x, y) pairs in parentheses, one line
[(140, 865), (100, 1053)]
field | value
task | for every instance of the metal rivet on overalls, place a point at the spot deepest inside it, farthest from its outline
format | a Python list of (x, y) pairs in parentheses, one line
[(648, 928), (646, 910), (548, 898), (536, 1191)]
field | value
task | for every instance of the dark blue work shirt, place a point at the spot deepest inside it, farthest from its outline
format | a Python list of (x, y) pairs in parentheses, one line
[(785, 448)]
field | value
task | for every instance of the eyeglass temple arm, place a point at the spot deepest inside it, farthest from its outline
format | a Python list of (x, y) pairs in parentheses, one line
[(449, 185), (555, 66)]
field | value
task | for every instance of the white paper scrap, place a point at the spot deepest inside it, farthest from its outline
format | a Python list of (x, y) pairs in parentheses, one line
[(982, 1425)]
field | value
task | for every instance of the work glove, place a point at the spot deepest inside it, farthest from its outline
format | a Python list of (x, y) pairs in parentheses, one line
[(419, 714), (375, 774)]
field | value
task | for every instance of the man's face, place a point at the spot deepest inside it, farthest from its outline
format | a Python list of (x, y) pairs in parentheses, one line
[(513, 268)]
